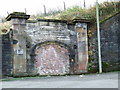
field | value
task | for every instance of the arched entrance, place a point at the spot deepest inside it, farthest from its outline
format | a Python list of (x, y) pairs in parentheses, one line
[(51, 59)]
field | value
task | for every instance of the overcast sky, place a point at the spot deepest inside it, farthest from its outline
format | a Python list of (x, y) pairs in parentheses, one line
[(36, 6)]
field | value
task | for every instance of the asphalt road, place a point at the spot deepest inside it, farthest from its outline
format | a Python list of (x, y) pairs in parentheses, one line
[(105, 80)]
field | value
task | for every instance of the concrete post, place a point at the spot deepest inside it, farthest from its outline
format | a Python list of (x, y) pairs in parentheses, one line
[(18, 21)]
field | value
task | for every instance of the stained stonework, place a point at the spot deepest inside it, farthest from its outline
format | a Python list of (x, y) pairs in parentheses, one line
[(51, 30), (48, 47), (57, 47), (7, 55), (110, 42), (18, 21), (82, 42)]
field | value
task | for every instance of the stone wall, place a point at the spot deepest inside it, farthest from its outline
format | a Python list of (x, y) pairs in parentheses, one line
[(110, 33), (7, 55), (40, 32), (31, 39), (110, 42)]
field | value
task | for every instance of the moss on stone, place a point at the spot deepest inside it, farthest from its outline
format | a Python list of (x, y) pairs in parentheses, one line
[(20, 15), (102, 21)]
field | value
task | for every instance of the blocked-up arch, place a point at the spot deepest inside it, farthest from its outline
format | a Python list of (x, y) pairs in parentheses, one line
[(52, 58)]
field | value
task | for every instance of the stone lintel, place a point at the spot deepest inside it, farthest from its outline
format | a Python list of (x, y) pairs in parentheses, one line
[(52, 20), (80, 20), (65, 21), (19, 15)]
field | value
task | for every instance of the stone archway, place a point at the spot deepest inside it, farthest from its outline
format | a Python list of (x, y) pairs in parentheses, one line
[(52, 59)]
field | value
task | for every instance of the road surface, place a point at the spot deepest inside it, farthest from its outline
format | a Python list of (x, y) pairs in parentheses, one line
[(105, 80)]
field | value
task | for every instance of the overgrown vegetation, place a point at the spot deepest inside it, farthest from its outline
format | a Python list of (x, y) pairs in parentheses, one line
[(106, 9), (5, 26)]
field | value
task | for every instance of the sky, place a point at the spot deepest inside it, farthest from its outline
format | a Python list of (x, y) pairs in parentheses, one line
[(36, 6)]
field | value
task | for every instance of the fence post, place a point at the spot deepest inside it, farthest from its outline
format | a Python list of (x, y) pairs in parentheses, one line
[(44, 10), (64, 5)]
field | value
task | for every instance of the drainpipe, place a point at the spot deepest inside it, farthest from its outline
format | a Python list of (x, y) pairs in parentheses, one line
[(98, 36)]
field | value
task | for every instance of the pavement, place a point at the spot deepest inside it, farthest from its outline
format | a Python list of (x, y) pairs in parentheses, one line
[(104, 80)]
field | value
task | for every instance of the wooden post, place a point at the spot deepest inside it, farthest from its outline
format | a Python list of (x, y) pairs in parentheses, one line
[(25, 11), (64, 5), (84, 4), (44, 9)]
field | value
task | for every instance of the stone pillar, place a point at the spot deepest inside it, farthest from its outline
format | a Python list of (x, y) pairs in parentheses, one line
[(81, 29), (18, 21)]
